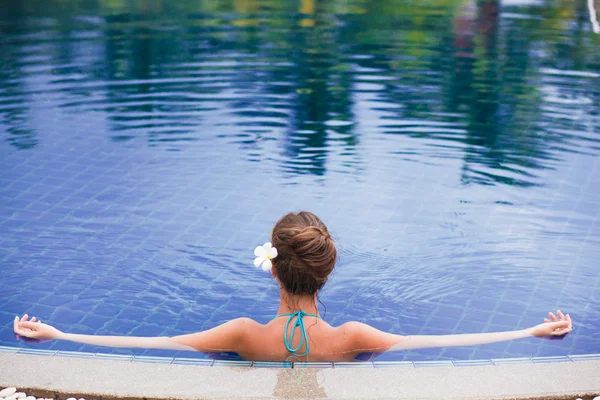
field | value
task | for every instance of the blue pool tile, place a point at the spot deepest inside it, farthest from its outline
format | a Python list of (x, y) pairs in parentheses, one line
[(518, 360), (8, 349), (193, 361), (67, 316), (161, 317), (393, 364), (231, 363), (66, 346), (114, 357), (509, 321), (439, 363), (468, 326), (268, 364), (584, 357), (313, 365), (36, 352), (120, 325), (41, 311), (95, 321), (153, 360), (483, 303), (353, 364), (75, 354), (471, 363), (145, 329), (523, 346), (546, 360), (459, 353), (57, 299), (450, 312), (482, 353)]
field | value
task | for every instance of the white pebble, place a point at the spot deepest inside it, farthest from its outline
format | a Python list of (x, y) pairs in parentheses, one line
[(20, 395), (30, 398), (597, 398), (71, 398), (11, 397), (8, 392), (84, 399)]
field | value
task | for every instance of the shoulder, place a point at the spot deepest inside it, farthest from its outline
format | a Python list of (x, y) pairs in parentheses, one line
[(225, 337), (243, 325), (240, 327), (352, 327), (363, 337), (356, 328)]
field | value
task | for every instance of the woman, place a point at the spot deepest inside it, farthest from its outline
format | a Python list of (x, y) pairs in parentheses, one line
[(301, 258)]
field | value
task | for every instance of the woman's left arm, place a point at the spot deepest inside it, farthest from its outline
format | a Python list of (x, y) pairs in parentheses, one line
[(365, 338), (226, 337)]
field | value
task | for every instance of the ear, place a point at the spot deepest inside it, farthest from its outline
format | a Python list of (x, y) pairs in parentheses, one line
[(273, 269)]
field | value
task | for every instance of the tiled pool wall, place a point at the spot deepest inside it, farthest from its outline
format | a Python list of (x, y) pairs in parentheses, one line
[(297, 364)]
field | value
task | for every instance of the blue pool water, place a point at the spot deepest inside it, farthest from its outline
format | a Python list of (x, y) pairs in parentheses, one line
[(451, 146)]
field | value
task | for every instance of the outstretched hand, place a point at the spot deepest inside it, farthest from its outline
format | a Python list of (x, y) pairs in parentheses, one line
[(553, 327), (32, 329)]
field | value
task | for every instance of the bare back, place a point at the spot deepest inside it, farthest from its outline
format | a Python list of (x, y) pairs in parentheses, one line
[(255, 341)]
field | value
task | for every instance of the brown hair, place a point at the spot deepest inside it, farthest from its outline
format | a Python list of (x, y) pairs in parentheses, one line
[(306, 253)]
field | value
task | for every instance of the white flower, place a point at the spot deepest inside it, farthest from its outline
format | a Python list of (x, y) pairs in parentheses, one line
[(264, 254)]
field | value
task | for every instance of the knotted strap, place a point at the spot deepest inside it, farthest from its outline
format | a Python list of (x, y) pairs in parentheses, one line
[(288, 336)]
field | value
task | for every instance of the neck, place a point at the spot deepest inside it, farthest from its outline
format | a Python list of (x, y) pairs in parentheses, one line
[(289, 303)]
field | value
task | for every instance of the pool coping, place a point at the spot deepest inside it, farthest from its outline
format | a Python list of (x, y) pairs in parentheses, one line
[(288, 364), (60, 375)]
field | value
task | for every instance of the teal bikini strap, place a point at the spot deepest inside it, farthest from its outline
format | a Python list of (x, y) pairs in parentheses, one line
[(288, 339)]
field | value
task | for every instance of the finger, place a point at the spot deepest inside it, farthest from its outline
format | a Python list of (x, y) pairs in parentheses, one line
[(16, 323), (570, 321), (29, 325), (22, 332), (559, 327), (546, 320), (552, 317), (560, 314), (33, 319), (25, 317), (561, 332)]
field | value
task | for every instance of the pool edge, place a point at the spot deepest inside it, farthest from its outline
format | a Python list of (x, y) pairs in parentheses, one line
[(61, 377), (262, 364)]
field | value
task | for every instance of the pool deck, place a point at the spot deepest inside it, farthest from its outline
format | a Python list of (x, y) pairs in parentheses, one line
[(62, 376)]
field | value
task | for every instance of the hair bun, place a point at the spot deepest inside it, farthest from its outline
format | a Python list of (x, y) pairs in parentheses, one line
[(307, 253), (309, 240)]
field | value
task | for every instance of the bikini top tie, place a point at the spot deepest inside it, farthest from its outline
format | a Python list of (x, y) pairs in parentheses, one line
[(288, 335)]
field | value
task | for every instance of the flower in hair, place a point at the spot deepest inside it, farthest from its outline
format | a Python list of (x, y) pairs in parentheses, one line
[(264, 254)]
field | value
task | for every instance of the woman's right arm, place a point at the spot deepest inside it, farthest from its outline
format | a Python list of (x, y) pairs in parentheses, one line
[(368, 339), (226, 337)]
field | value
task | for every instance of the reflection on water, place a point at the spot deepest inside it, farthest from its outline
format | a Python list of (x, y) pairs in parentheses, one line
[(452, 146), (503, 88)]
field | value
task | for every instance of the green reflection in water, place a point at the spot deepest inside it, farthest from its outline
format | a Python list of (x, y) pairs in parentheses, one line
[(507, 89)]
